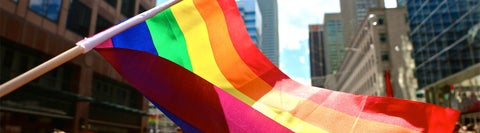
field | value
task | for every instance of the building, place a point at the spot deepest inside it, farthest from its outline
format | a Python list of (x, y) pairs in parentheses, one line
[(83, 95), (334, 48), (269, 44), (253, 19), (316, 41), (158, 122), (401, 3), (447, 61), (378, 60), (353, 12)]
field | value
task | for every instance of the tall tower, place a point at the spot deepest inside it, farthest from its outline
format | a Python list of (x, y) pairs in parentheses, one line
[(353, 12), (317, 55), (334, 47), (269, 44)]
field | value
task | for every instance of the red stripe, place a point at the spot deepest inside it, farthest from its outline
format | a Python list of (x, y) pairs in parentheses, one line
[(405, 113), (187, 95), (245, 47)]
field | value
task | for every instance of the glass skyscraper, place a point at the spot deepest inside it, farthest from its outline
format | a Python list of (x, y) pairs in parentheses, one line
[(334, 48), (439, 32), (317, 55), (269, 44), (252, 18)]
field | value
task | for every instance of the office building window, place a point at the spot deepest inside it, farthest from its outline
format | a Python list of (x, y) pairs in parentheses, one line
[(47, 8), (383, 37), (16, 60), (380, 20), (107, 89), (112, 3), (385, 56), (141, 9), (79, 18), (102, 24), (128, 8)]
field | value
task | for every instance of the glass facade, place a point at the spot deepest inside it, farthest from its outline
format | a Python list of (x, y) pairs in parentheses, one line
[(47, 8), (334, 48), (439, 32)]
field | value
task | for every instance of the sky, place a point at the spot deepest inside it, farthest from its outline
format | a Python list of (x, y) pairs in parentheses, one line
[(294, 18)]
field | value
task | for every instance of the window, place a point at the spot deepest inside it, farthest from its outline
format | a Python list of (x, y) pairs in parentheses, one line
[(16, 60), (380, 20), (128, 8), (385, 56), (102, 24), (107, 89), (79, 18), (383, 37), (47, 8), (141, 9), (112, 3)]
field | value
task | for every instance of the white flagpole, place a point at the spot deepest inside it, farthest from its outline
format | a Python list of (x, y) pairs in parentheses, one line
[(83, 46)]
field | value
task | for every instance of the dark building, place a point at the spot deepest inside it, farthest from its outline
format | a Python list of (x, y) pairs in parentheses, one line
[(318, 70), (447, 63), (83, 95)]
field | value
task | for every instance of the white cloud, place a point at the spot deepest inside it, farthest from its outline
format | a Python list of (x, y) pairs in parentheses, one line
[(302, 59), (390, 3), (301, 80), (295, 16)]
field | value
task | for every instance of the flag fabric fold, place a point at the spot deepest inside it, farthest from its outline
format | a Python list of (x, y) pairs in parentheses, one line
[(196, 62)]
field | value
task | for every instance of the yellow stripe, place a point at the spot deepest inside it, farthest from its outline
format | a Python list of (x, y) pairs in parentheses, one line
[(199, 49), (276, 105)]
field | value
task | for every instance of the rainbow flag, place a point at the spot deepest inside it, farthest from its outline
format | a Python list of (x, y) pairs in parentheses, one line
[(196, 62)]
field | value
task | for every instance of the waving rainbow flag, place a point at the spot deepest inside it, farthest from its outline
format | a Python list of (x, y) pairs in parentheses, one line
[(197, 63)]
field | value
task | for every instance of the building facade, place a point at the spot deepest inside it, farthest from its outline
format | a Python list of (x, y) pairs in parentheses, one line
[(447, 61), (316, 39), (334, 48), (83, 95), (353, 12), (269, 44), (378, 61)]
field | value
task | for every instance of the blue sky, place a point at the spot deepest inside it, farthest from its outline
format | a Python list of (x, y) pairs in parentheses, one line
[(294, 18)]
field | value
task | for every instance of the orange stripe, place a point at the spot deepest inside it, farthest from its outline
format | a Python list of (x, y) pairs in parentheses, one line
[(227, 58)]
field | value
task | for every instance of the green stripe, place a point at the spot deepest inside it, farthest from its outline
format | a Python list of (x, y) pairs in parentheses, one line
[(168, 38)]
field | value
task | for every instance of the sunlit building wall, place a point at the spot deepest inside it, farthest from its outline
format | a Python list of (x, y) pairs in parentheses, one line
[(353, 12), (380, 47)]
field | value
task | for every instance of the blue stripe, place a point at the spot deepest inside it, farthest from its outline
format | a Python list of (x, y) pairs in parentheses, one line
[(136, 38)]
